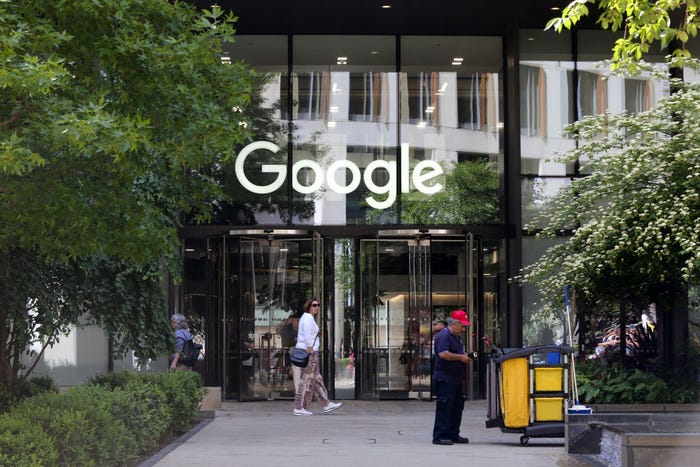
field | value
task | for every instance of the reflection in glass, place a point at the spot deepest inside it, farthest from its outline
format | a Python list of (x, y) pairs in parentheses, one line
[(452, 114), (274, 280), (406, 284), (344, 129), (344, 318), (536, 193), (267, 116)]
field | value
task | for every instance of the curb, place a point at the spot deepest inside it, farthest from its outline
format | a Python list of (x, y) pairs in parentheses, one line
[(175, 443)]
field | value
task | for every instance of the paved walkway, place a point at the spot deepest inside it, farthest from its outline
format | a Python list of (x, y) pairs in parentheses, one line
[(359, 434)]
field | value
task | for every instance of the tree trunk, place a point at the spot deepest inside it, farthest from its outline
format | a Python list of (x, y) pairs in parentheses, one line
[(7, 371), (672, 324), (623, 334)]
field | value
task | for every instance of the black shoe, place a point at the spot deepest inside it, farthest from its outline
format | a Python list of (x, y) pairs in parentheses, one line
[(460, 440), (443, 442)]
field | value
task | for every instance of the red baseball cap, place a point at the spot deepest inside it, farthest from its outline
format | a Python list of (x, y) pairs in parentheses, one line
[(461, 316)]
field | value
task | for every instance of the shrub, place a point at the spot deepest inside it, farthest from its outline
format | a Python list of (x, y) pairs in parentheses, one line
[(72, 435), (80, 424), (184, 391), (94, 424), (143, 409), (24, 443), (112, 442), (600, 382), (118, 379), (25, 388)]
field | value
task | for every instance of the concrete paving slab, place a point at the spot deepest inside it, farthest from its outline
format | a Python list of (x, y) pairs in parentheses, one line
[(359, 434)]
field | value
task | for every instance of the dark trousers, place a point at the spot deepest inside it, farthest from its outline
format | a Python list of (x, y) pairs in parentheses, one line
[(449, 405)]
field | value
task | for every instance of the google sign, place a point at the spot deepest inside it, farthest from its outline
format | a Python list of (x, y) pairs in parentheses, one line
[(419, 175)]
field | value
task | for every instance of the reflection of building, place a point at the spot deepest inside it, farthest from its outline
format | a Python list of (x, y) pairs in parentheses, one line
[(427, 110)]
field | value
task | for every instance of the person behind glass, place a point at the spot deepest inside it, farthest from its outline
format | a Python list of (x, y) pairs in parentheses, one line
[(311, 380), (448, 379), (293, 320), (182, 335)]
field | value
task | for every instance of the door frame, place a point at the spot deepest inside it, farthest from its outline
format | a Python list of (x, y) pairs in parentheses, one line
[(233, 334), (471, 289)]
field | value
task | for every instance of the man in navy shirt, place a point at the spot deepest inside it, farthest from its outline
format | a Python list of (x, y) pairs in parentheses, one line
[(448, 380)]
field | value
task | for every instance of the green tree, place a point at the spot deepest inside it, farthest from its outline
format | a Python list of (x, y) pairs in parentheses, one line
[(635, 218), (470, 196), (112, 114), (670, 23)]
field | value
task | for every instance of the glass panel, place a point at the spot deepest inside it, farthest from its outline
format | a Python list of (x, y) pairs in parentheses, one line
[(274, 280), (344, 114), (419, 312), (406, 284), (451, 124), (449, 282), (536, 194), (546, 100), (539, 326), (201, 294), (495, 282), (369, 354), (267, 114), (344, 317)]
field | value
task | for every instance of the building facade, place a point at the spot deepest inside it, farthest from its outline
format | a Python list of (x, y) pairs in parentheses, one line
[(399, 150)]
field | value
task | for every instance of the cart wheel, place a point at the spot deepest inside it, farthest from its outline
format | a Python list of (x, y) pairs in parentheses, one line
[(524, 440)]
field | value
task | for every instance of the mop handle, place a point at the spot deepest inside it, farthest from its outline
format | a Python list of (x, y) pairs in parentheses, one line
[(571, 342)]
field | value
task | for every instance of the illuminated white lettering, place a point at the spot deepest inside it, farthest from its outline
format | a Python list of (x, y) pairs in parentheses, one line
[(390, 187), (240, 171), (422, 173)]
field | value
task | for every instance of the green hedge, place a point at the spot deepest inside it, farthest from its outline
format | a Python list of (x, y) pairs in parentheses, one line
[(109, 421), (604, 382)]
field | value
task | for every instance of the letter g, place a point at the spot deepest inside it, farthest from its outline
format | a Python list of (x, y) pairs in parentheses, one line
[(278, 169)]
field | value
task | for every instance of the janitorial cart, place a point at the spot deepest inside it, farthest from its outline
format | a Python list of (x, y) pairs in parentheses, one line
[(528, 390)]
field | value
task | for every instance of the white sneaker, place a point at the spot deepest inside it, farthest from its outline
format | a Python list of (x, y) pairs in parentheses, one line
[(332, 406), (302, 412)]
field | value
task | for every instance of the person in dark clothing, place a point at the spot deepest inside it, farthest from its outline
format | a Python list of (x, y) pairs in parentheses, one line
[(448, 380)]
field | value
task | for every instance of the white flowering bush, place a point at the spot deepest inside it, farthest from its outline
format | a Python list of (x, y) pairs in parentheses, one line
[(633, 223)]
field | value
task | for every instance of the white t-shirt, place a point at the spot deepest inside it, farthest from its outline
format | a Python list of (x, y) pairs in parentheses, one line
[(308, 330)]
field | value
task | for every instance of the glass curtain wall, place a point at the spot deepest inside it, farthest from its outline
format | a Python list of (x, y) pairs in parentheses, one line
[(344, 118), (559, 85), (451, 114), (255, 197)]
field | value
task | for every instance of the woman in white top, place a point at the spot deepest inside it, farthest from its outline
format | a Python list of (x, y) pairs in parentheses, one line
[(311, 383)]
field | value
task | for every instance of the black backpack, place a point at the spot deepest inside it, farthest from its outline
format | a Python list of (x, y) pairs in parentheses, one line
[(190, 353)]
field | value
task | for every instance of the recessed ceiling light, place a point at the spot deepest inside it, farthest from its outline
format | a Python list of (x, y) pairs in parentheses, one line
[(456, 63), (386, 6), (531, 38), (375, 52), (555, 8)]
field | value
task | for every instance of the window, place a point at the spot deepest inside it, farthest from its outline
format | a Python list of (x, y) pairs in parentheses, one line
[(369, 97), (311, 95), (592, 94), (477, 101), (422, 98), (532, 101), (638, 95)]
